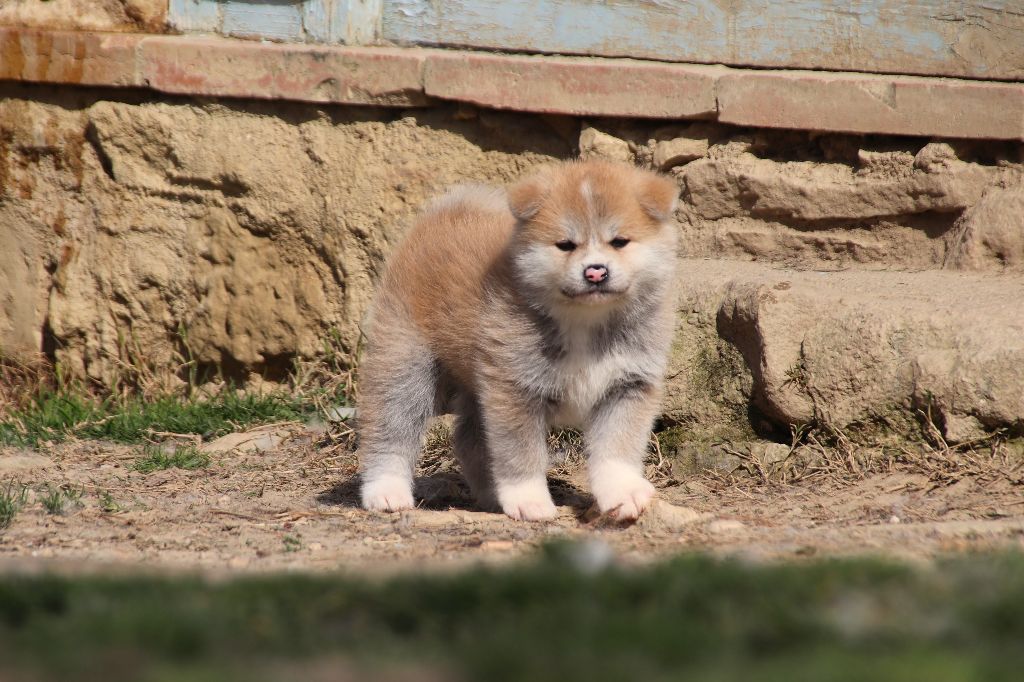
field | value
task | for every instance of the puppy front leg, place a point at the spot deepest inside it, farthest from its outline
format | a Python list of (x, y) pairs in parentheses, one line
[(616, 441), (516, 432)]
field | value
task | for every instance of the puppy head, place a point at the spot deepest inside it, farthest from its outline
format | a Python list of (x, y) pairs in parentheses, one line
[(593, 234)]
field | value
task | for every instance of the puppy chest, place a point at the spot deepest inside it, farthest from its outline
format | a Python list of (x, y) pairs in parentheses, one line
[(581, 384)]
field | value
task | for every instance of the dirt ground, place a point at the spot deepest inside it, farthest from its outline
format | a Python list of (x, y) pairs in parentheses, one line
[(294, 507)]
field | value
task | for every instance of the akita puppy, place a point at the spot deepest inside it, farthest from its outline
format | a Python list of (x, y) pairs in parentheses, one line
[(548, 305)]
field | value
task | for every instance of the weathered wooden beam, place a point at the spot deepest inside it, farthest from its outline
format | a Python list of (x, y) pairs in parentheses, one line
[(581, 86), (965, 38)]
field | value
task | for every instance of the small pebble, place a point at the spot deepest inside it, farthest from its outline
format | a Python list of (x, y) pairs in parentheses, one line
[(340, 414), (725, 526), (663, 515)]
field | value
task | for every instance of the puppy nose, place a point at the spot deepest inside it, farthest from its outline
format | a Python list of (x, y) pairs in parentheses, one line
[(595, 274)]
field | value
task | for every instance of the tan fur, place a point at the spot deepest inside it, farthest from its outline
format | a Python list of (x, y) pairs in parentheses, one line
[(439, 270), (484, 309)]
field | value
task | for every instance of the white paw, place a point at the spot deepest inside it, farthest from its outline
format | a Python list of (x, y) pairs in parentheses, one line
[(621, 492), (527, 501), (388, 493)]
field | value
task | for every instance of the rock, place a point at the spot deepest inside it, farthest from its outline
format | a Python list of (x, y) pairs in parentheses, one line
[(725, 526), (665, 516), (772, 453), (962, 428), (255, 440), (886, 245), (800, 190), (703, 454), (935, 157), (340, 414), (595, 144), (990, 234), (865, 347), (974, 376), (678, 151), (740, 146), (885, 162)]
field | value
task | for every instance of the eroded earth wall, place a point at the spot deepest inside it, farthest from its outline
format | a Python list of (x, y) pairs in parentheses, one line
[(845, 279), (88, 15)]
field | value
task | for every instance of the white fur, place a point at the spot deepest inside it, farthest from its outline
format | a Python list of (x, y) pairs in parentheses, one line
[(387, 493), (620, 489), (527, 500)]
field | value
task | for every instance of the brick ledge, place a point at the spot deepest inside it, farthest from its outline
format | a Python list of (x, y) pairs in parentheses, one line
[(583, 86)]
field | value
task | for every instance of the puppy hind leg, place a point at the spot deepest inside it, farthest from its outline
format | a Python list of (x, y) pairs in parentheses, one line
[(399, 385), (470, 445)]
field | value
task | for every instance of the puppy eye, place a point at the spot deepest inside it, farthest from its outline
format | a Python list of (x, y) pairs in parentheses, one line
[(566, 245), (619, 242)]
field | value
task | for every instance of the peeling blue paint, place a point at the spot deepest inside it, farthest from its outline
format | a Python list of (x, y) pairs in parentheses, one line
[(324, 21), (929, 37), (968, 38), (195, 15), (274, 19)]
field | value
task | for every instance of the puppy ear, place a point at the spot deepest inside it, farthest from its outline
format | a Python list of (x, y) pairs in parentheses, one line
[(527, 196), (658, 196)]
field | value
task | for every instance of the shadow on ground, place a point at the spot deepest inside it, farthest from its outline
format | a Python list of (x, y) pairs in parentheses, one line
[(449, 491)]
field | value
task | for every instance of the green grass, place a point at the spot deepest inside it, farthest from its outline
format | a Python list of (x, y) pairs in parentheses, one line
[(108, 504), (12, 498), (56, 498), (155, 458), (689, 618), (53, 500), (54, 417)]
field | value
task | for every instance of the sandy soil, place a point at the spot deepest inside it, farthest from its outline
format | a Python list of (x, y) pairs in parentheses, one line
[(293, 506)]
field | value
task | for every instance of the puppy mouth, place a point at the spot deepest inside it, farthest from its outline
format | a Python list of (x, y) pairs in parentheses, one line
[(593, 295)]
